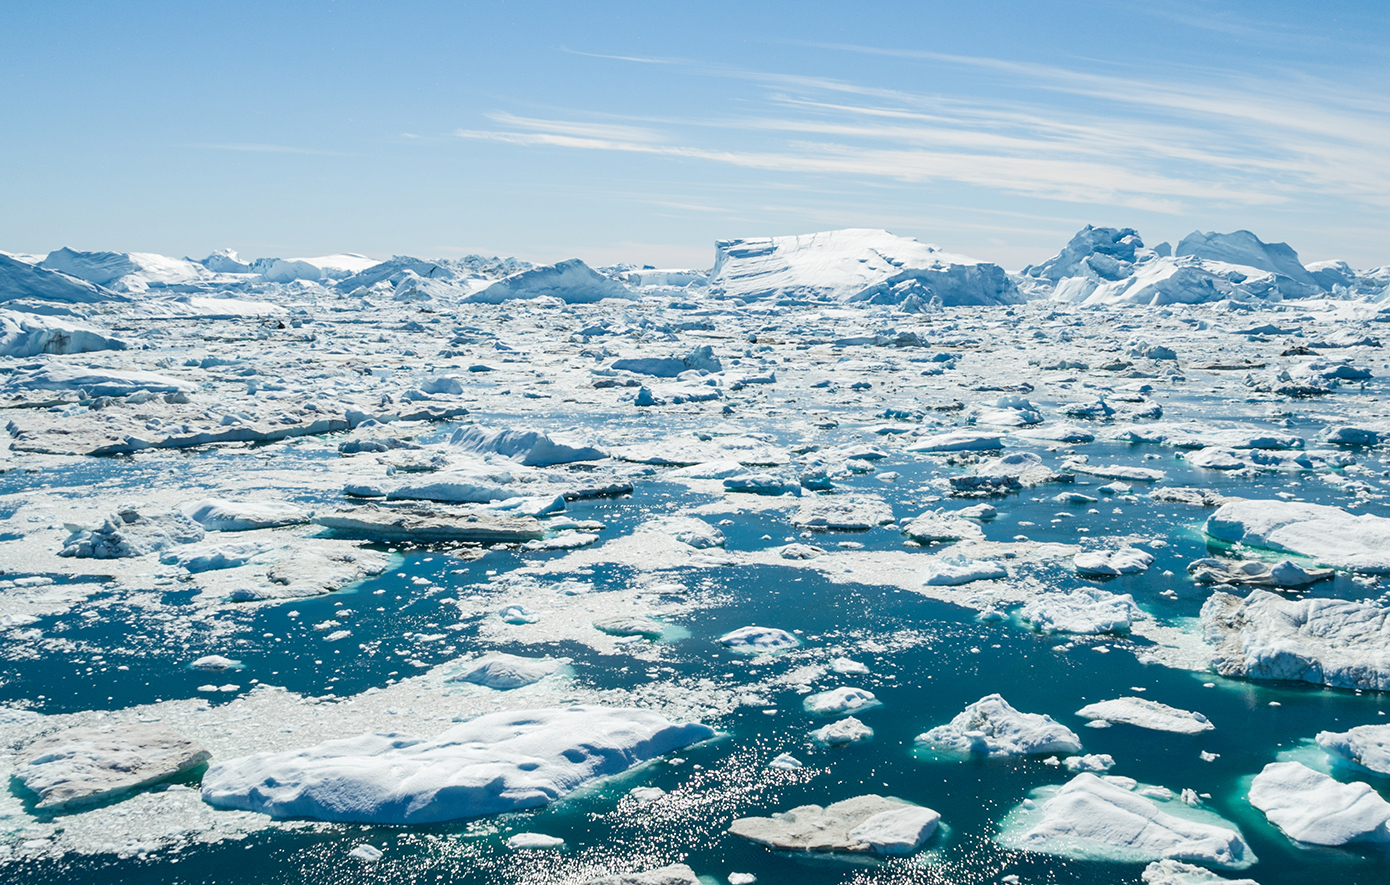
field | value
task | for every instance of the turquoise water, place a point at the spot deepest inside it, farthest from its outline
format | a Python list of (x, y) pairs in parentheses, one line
[(938, 658)]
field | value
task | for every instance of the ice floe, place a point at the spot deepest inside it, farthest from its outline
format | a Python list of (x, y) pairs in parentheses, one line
[(495, 763), (1309, 806), (1145, 713), (864, 824), (85, 765)]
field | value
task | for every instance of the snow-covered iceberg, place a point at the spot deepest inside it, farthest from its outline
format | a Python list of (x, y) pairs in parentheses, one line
[(20, 280), (1337, 642), (861, 265), (1308, 806), (495, 763), (572, 281), (27, 335), (1095, 818), (1327, 535), (992, 727)]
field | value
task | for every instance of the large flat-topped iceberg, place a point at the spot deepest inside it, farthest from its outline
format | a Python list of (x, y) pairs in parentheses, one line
[(495, 763), (1329, 536), (855, 265)]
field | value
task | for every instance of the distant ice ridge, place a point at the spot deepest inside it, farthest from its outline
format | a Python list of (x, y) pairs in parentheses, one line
[(21, 280), (573, 282), (1105, 265), (495, 763), (856, 265)]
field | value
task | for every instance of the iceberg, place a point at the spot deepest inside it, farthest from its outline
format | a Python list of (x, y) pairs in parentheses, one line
[(1092, 818), (1365, 745), (1336, 642), (26, 335), (1327, 535), (1145, 713), (572, 281), (81, 765), (533, 448), (992, 727), (856, 265), (864, 824), (495, 763), (1308, 806)]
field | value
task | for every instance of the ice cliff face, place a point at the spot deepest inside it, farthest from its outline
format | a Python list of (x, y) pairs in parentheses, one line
[(856, 265)]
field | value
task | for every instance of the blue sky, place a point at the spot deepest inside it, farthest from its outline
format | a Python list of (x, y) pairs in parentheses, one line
[(644, 131)]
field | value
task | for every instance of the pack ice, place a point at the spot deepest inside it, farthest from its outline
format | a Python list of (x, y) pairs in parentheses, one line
[(497, 762)]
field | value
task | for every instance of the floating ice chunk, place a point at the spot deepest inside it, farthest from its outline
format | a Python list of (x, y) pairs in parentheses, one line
[(763, 483), (532, 448), (474, 484), (952, 571), (1333, 642), (897, 831), (742, 879), (785, 761), (700, 359), (1283, 574), (840, 701), (572, 281), (1175, 872), (842, 512), (675, 874), (847, 667), (84, 765), (1064, 433), (518, 614), (1114, 471), (630, 625), (1108, 564), (1308, 806), (800, 551), (959, 441), (221, 515), (1346, 435), (942, 527), (845, 731), (495, 763), (1365, 745), (1090, 762), (688, 530), (864, 824), (1094, 819), (534, 842), (215, 662), (1327, 535), (759, 640), (991, 727), (1148, 714), (646, 794), (504, 671), (386, 524), (366, 852), (1086, 612)]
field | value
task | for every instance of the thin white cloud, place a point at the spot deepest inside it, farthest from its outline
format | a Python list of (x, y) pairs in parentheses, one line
[(1214, 140)]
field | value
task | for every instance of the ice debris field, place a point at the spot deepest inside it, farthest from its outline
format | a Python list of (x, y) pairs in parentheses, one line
[(847, 560)]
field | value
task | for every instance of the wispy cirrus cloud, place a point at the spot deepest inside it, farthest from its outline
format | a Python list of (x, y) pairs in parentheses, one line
[(1198, 139)]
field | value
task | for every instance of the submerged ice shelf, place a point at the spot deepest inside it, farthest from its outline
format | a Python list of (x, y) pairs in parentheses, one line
[(274, 529)]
